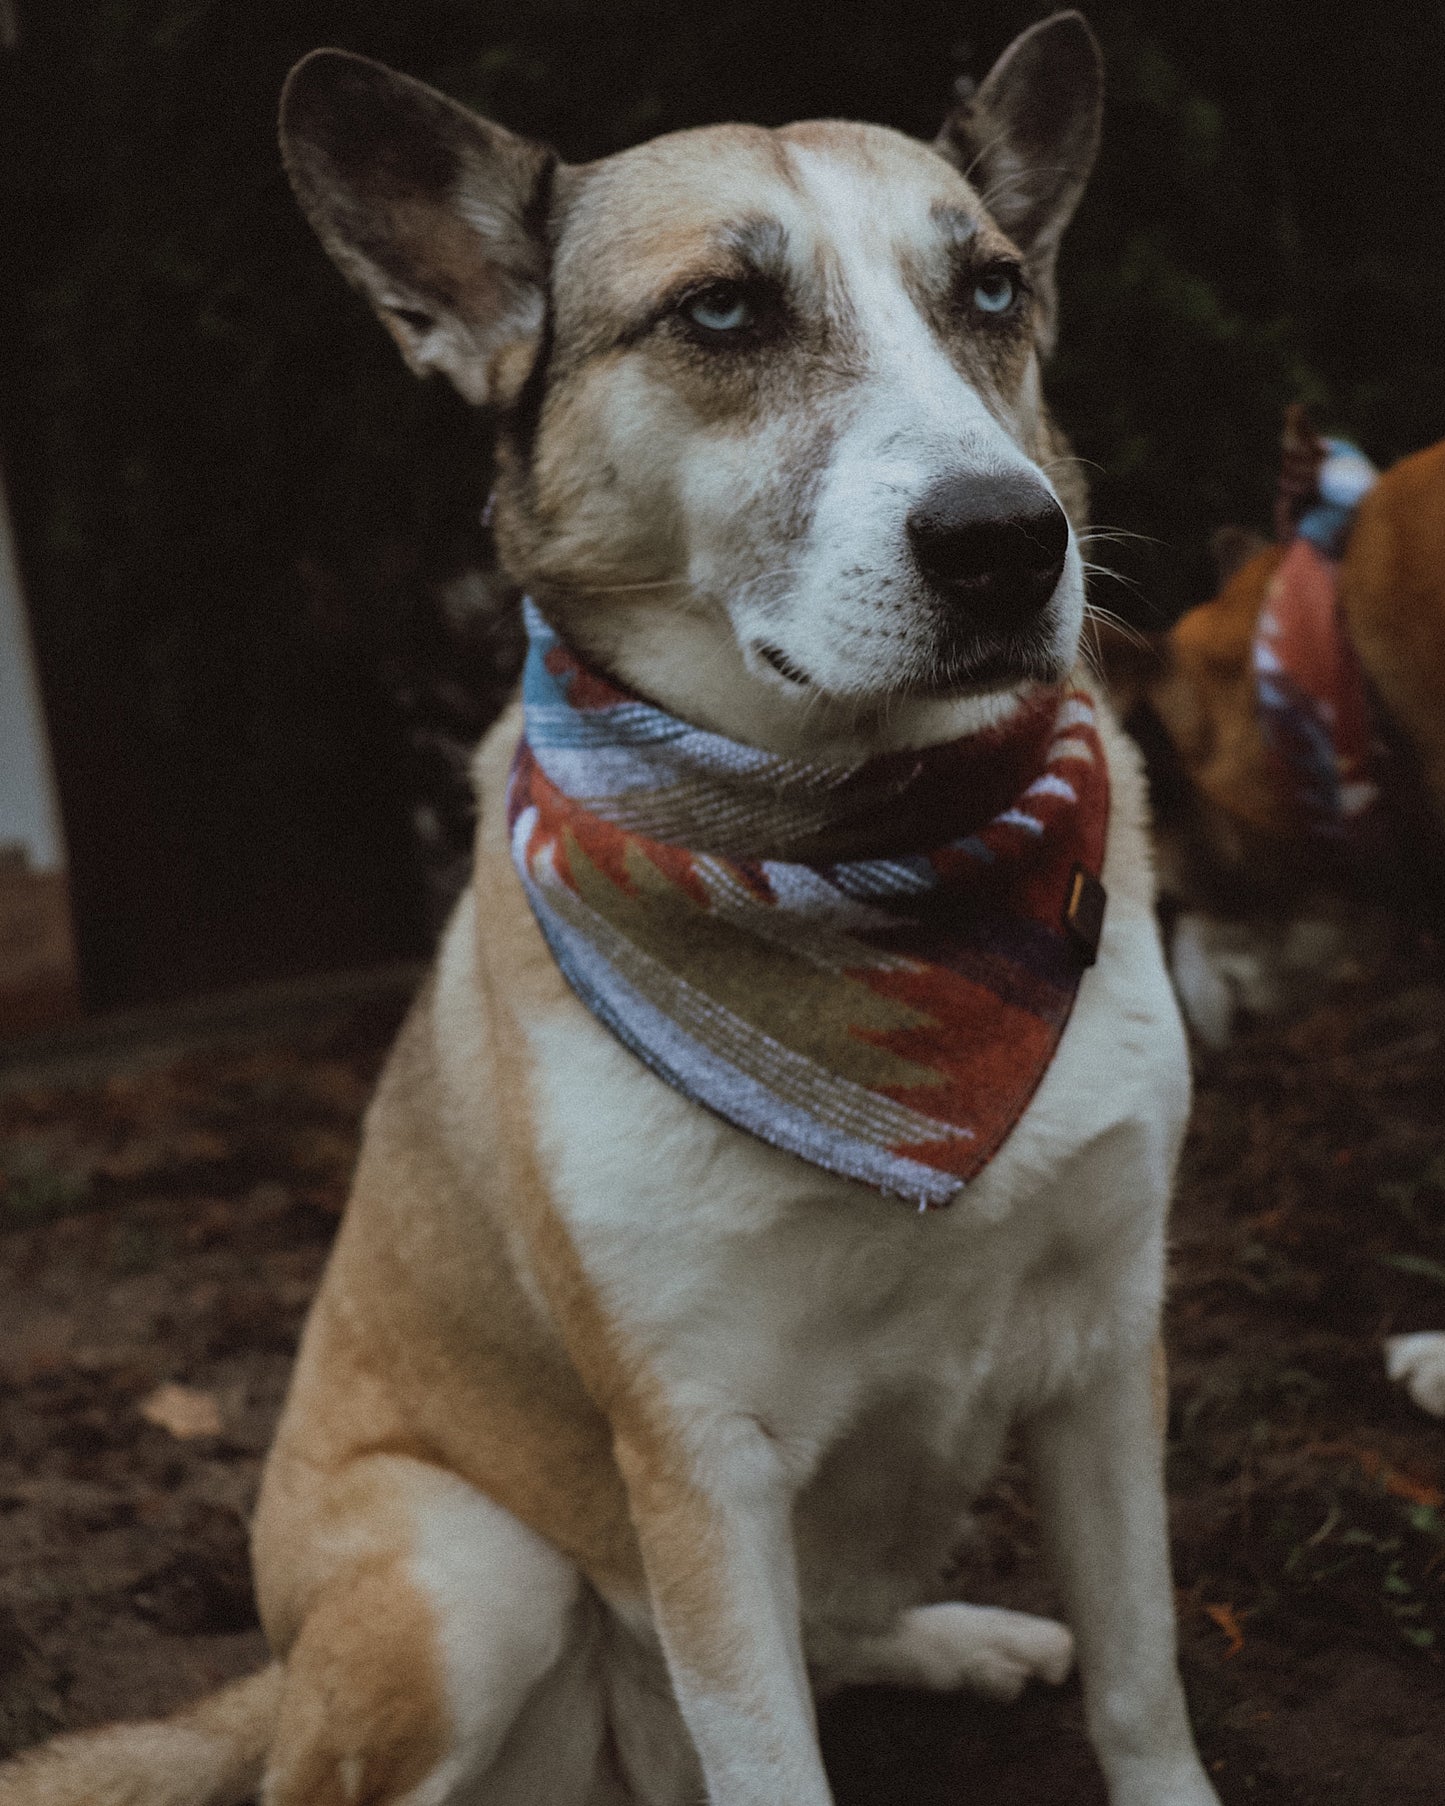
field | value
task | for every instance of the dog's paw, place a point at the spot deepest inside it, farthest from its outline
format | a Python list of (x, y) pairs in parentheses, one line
[(1418, 1364), (1191, 1789), (1178, 1782), (986, 1650)]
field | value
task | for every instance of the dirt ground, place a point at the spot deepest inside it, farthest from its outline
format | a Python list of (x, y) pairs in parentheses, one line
[(164, 1227)]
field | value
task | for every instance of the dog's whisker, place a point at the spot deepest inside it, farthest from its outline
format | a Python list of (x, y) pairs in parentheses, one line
[(1092, 569), (1062, 459), (1117, 536), (1094, 615)]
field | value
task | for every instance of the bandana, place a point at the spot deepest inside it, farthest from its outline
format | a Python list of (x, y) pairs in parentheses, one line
[(868, 965), (1316, 707)]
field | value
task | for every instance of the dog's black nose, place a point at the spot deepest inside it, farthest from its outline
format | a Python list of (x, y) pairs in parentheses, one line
[(995, 544)]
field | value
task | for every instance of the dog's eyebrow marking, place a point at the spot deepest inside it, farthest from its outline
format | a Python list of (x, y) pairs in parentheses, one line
[(760, 241), (753, 247), (954, 247)]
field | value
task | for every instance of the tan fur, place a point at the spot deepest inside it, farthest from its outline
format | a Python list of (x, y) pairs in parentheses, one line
[(1161, 1389), (1206, 699), (212, 1753), (363, 1715), (511, 1416), (1392, 589), (519, 1415)]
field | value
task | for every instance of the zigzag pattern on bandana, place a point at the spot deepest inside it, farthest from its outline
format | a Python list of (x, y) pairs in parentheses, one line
[(869, 966)]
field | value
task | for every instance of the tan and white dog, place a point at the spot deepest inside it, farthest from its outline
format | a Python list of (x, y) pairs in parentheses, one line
[(615, 1432)]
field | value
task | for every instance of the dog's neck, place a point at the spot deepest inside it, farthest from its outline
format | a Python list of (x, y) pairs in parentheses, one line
[(691, 665)]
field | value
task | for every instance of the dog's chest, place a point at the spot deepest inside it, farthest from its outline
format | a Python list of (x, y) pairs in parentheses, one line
[(752, 1283)]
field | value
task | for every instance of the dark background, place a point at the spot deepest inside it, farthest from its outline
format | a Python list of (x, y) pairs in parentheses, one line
[(251, 540)]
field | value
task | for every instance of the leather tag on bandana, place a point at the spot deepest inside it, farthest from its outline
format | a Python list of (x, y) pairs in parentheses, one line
[(1084, 913)]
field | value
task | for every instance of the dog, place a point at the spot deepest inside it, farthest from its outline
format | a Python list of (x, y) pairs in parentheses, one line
[(1281, 816), (632, 1412), (1273, 890)]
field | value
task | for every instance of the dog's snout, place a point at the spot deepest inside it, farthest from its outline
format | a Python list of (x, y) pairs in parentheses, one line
[(995, 544)]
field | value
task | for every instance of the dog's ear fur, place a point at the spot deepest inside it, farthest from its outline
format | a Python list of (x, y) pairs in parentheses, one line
[(1027, 140), (1232, 548), (436, 215)]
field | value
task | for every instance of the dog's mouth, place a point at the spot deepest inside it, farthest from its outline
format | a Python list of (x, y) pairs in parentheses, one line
[(987, 670), (784, 666), (951, 673)]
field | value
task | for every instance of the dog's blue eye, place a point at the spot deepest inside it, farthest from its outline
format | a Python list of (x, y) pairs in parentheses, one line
[(995, 293), (721, 310)]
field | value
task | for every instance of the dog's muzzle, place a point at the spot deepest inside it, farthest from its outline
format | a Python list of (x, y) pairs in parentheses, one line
[(992, 547)]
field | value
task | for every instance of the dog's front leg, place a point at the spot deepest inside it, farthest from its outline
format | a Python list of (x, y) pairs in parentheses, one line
[(714, 1520), (1097, 1457)]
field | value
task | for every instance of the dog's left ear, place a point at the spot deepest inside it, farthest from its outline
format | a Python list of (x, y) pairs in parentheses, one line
[(438, 216), (1027, 140)]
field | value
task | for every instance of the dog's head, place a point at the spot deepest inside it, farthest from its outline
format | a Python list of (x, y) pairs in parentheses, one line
[(772, 446)]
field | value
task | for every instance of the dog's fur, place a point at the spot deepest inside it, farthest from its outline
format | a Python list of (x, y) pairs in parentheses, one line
[(614, 1431), (1259, 922)]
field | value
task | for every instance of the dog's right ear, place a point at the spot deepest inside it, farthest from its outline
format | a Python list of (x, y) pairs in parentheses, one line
[(438, 216)]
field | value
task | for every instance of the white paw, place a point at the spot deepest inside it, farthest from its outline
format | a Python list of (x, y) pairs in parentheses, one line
[(1418, 1364), (986, 1649), (1194, 1790)]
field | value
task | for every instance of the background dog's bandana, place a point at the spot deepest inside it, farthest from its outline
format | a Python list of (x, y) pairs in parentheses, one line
[(1315, 703), (869, 965)]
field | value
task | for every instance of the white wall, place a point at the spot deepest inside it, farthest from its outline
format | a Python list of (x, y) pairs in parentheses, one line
[(29, 815)]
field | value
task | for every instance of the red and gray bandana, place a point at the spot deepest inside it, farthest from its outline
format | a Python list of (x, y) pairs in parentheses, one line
[(867, 965)]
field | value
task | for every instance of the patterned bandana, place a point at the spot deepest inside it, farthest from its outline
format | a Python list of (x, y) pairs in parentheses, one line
[(1316, 708), (867, 965)]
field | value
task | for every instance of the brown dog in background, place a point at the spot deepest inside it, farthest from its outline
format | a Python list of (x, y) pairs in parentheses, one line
[(1202, 686), (1258, 915)]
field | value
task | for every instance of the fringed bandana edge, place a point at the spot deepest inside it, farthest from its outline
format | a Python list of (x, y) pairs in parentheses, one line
[(869, 966)]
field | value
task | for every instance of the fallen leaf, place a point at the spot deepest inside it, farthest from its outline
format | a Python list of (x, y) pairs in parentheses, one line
[(1399, 1485), (182, 1410), (1373, 1465), (1224, 1616)]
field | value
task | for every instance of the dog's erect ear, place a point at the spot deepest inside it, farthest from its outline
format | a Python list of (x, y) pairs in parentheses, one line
[(1028, 137), (436, 215)]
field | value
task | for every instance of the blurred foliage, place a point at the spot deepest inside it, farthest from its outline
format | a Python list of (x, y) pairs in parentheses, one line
[(237, 510)]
